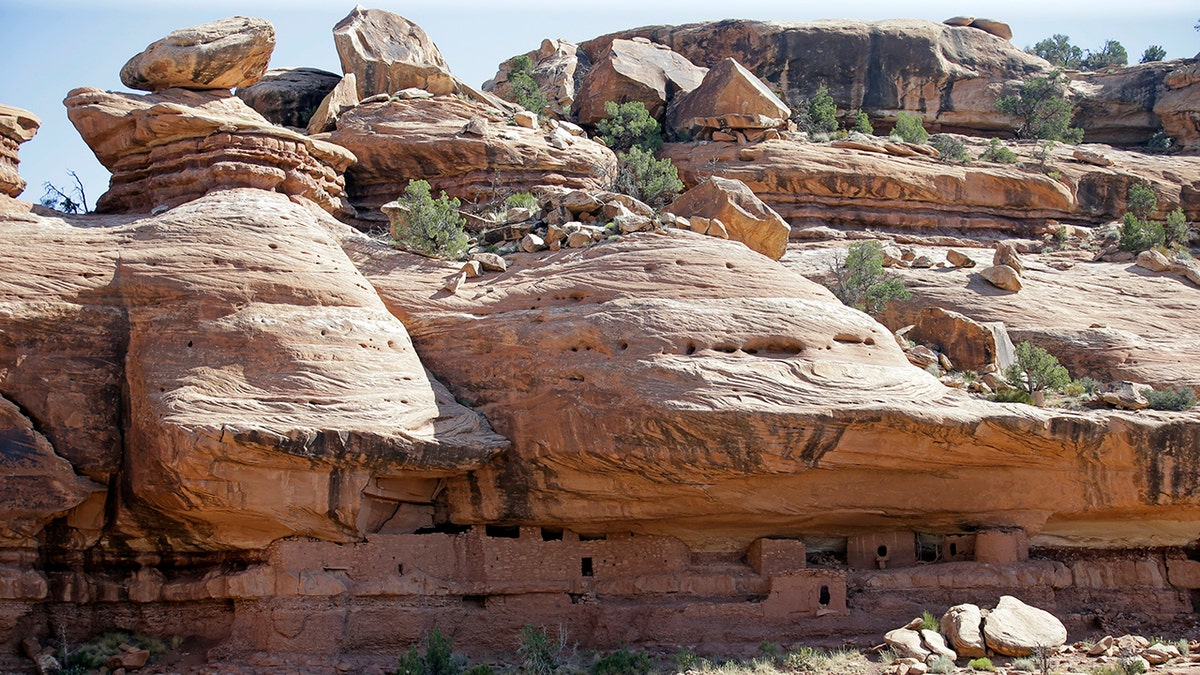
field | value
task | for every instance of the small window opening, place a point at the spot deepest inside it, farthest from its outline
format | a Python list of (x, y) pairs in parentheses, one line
[(400, 569), (881, 552), (551, 534), (585, 567), (503, 531), (824, 599), (953, 549)]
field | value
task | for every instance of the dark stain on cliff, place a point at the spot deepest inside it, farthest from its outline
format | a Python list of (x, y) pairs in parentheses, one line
[(1169, 459)]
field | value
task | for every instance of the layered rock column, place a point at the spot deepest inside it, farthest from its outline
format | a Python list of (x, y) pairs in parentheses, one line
[(16, 127)]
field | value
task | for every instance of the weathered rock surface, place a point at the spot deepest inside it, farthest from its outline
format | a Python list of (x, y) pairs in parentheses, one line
[(426, 139), (1177, 108), (16, 127), (224, 54), (1014, 628), (1125, 106), (906, 643), (962, 626), (634, 70), (744, 216), (1002, 277), (970, 345), (388, 53), (727, 89), (175, 145), (1124, 394), (289, 96), (558, 67), (342, 97)]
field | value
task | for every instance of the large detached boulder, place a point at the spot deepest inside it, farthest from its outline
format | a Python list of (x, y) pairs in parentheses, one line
[(746, 218), (16, 127), (224, 54), (963, 627), (727, 89), (289, 96), (635, 70), (1014, 628), (388, 53), (558, 68)]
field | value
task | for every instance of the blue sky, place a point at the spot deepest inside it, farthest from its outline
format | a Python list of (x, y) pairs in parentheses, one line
[(51, 47)]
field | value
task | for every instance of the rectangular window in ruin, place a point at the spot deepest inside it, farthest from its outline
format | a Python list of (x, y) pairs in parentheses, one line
[(585, 566), (824, 599), (551, 534), (502, 531)]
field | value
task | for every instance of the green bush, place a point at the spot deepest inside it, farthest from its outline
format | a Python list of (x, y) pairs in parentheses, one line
[(644, 177), (930, 622), (1153, 53), (622, 662), (1177, 399), (909, 128), (861, 282), (816, 114), (523, 89), (1059, 51), (983, 663), (951, 150), (437, 660), (539, 654), (1036, 370), (1140, 200), (431, 226), (1176, 229), (1159, 141), (1013, 396), (1139, 235), (1111, 54), (862, 124), (521, 200), (1042, 111), (997, 152), (629, 125)]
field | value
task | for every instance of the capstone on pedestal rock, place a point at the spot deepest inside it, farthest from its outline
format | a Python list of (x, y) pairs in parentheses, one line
[(224, 54), (16, 127)]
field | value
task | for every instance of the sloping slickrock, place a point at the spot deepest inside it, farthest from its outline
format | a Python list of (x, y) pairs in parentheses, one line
[(16, 127), (816, 184), (962, 626), (1014, 628), (407, 140), (634, 70), (558, 67), (268, 385), (727, 88), (388, 53), (746, 218), (951, 75), (175, 145), (224, 54), (38, 485), (746, 399), (289, 96)]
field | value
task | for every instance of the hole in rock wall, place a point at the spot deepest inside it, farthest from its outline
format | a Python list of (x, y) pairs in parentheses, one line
[(551, 534), (474, 601), (585, 567), (503, 531), (823, 599), (881, 551)]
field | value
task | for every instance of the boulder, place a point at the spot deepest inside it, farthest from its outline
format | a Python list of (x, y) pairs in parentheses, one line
[(745, 217), (935, 643), (403, 140), (727, 89), (490, 262), (1124, 394), (1014, 628), (635, 70), (959, 259), (558, 68), (906, 643), (970, 344), (224, 54), (1159, 653), (963, 627), (1006, 254), (387, 53), (1153, 261), (129, 659), (16, 127), (343, 96), (1188, 269), (1002, 276), (993, 27), (176, 145), (959, 21), (289, 96)]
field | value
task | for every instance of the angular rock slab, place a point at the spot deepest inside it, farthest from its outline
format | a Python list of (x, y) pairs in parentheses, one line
[(963, 627), (746, 218), (16, 127), (559, 67), (223, 54), (635, 70), (289, 96), (1014, 628), (727, 89), (388, 53)]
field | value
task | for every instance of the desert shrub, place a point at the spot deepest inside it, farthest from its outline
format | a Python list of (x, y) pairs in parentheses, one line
[(836, 662), (983, 663), (941, 665), (539, 653), (622, 662), (644, 177), (1159, 141), (686, 659), (438, 658), (1140, 200), (1036, 370), (1024, 665), (997, 152), (909, 128), (1111, 54), (1139, 235), (479, 669), (1058, 50), (1013, 396), (629, 125), (96, 652), (888, 655), (1179, 398), (1176, 230), (1042, 111), (860, 281), (950, 149), (521, 200), (1153, 53), (1183, 646), (816, 114), (431, 226), (70, 199), (862, 124), (522, 88), (930, 622)]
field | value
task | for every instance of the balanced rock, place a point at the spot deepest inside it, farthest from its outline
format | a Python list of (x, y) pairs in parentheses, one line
[(289, 96), (387, 53), (635, 70), (1014, 628), (558, 68), (1006, 254), (176, 145), (994, 27), (343, 96), (16, 127), (1002, 276), (963, 626), (746, 218), (224, 54), (727, 89)]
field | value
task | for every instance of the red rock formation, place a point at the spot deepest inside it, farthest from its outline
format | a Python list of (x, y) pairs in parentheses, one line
[(224, 54), (16, 127), (558, 67), (388, 53), (289, 96), (745, 217), (634, 70), (176, 145)]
